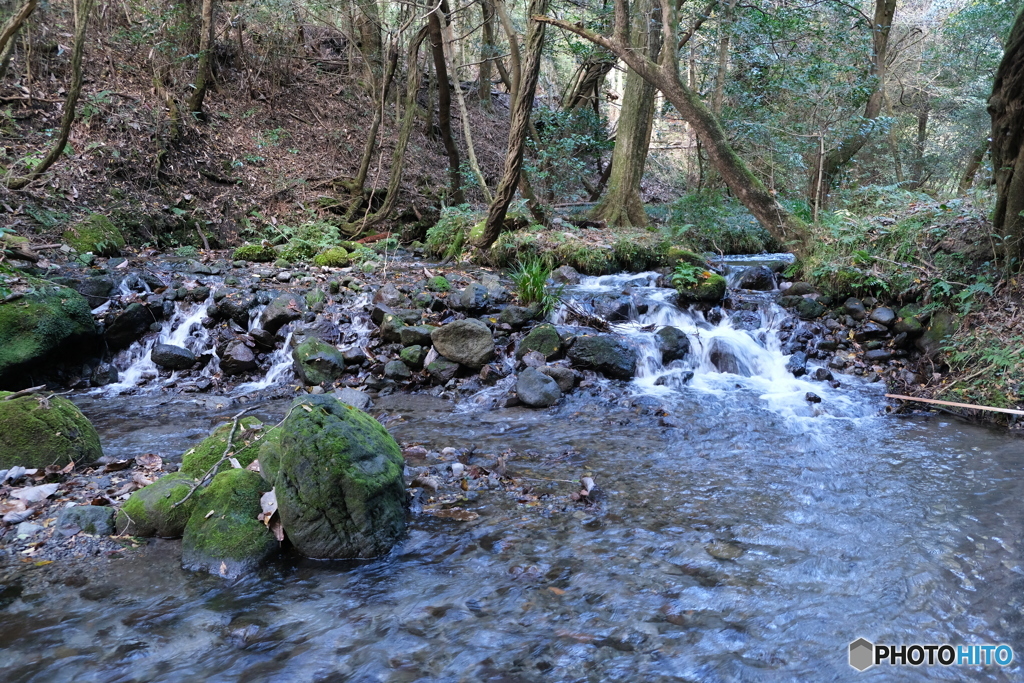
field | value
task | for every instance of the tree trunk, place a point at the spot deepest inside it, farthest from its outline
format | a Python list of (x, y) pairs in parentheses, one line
[(398, 157), (521, 109), (203, 74), (467, 128), (82, 10), (973, 164), (486, 53), (586, 89), (378, 117), (725, 29), (622, 205), (11, 29), (1006, 106), (784, 226), (836, 158), (921, 142), (444, 101), (367, 22)]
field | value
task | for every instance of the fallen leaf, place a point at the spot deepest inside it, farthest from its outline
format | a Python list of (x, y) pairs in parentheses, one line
[(34, 494), (17, 517), (276, 528), (426, 483), (209, 514), (268, 503), (556, 591), (141, 479), (117, 465), (254, 466), (149, 461), (235, 464)]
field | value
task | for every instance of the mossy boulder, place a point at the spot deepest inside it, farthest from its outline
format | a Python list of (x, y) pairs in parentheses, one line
[(45, 320), (97, 234), (254, 252), (198, 460), (338, 478), (223, 535), (150, 511), (36, 432), (317, 362), (439, 283), (676, 254), (940, 327), (709, 289), (543, 339), (332, 258)]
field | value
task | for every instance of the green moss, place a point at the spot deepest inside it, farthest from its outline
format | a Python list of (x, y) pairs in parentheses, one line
[(254, 252), (448, 236), (543, 339), (223, 535), (439, 283), (198, 460), (298, 251), (37, 433), (317, 362), (332, 258), (338, 477), (97, 234), (710, 289), (150, 511), (40, 322), (315, 296), (675, 254)]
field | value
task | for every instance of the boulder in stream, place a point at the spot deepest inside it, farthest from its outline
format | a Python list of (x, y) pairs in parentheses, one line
[(150, 511), (673, 344), (605, 353), (337, 474), (129, 325), (536, 389), (237, 358), (173, 357), (708, 289), (223, 535), (543, 339), (281, 311), (244, 447), (318, 362), (760, 278), (36, 431), (467, 342)]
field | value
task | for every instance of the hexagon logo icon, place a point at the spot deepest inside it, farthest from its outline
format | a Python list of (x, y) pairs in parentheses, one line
[(862, 654)]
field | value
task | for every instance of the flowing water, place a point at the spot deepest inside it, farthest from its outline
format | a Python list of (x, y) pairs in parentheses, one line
[(744, 535)]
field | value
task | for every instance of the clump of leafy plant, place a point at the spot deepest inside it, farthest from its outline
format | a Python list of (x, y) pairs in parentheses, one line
[(448, 236), (187, 251), (689, 275), (530, 279), (255, 252), (335, 257)]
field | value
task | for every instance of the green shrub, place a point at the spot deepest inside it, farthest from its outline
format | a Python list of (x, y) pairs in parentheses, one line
[(707, 221), (448, 236), (187, 251), (530, 279)]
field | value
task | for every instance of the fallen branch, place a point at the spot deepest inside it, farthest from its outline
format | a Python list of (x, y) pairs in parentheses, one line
[(227, 451), (23, 392), (971, 406)]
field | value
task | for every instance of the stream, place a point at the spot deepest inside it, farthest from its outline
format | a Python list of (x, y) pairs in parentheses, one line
[(744, 534)]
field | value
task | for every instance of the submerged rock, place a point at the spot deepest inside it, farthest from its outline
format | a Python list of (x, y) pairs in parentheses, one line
[(536, 389), (468, 342), (317, 362), (709, 289), (606, 354), (338, 478), (198, 460), (150, 511), (223, 535), (36, 432)]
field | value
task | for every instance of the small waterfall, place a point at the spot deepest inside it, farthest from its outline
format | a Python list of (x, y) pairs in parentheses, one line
[(135, 364), (280, 369), (722, 356)]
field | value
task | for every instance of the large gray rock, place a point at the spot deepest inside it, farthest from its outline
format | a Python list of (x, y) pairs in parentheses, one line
[(338, 478), (468, 342), (883, 315), (281, 311), (566, 378), (237, 359), (760, 278), (317, 362), (673, 344), (474, 297), (536, 389), (854, 308), (173, 357), (416, 335), (605, 353), (129, 325), (354, 398), (91, 519), (566, 275)]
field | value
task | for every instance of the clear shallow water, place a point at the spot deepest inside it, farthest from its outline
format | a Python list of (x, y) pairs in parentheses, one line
[(850, 525)]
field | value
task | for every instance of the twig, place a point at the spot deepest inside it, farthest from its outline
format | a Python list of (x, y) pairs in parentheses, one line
[(24, 392), (956, 405), (227, 449)]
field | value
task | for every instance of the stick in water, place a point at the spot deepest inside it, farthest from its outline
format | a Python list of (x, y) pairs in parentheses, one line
[(956, 405)]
